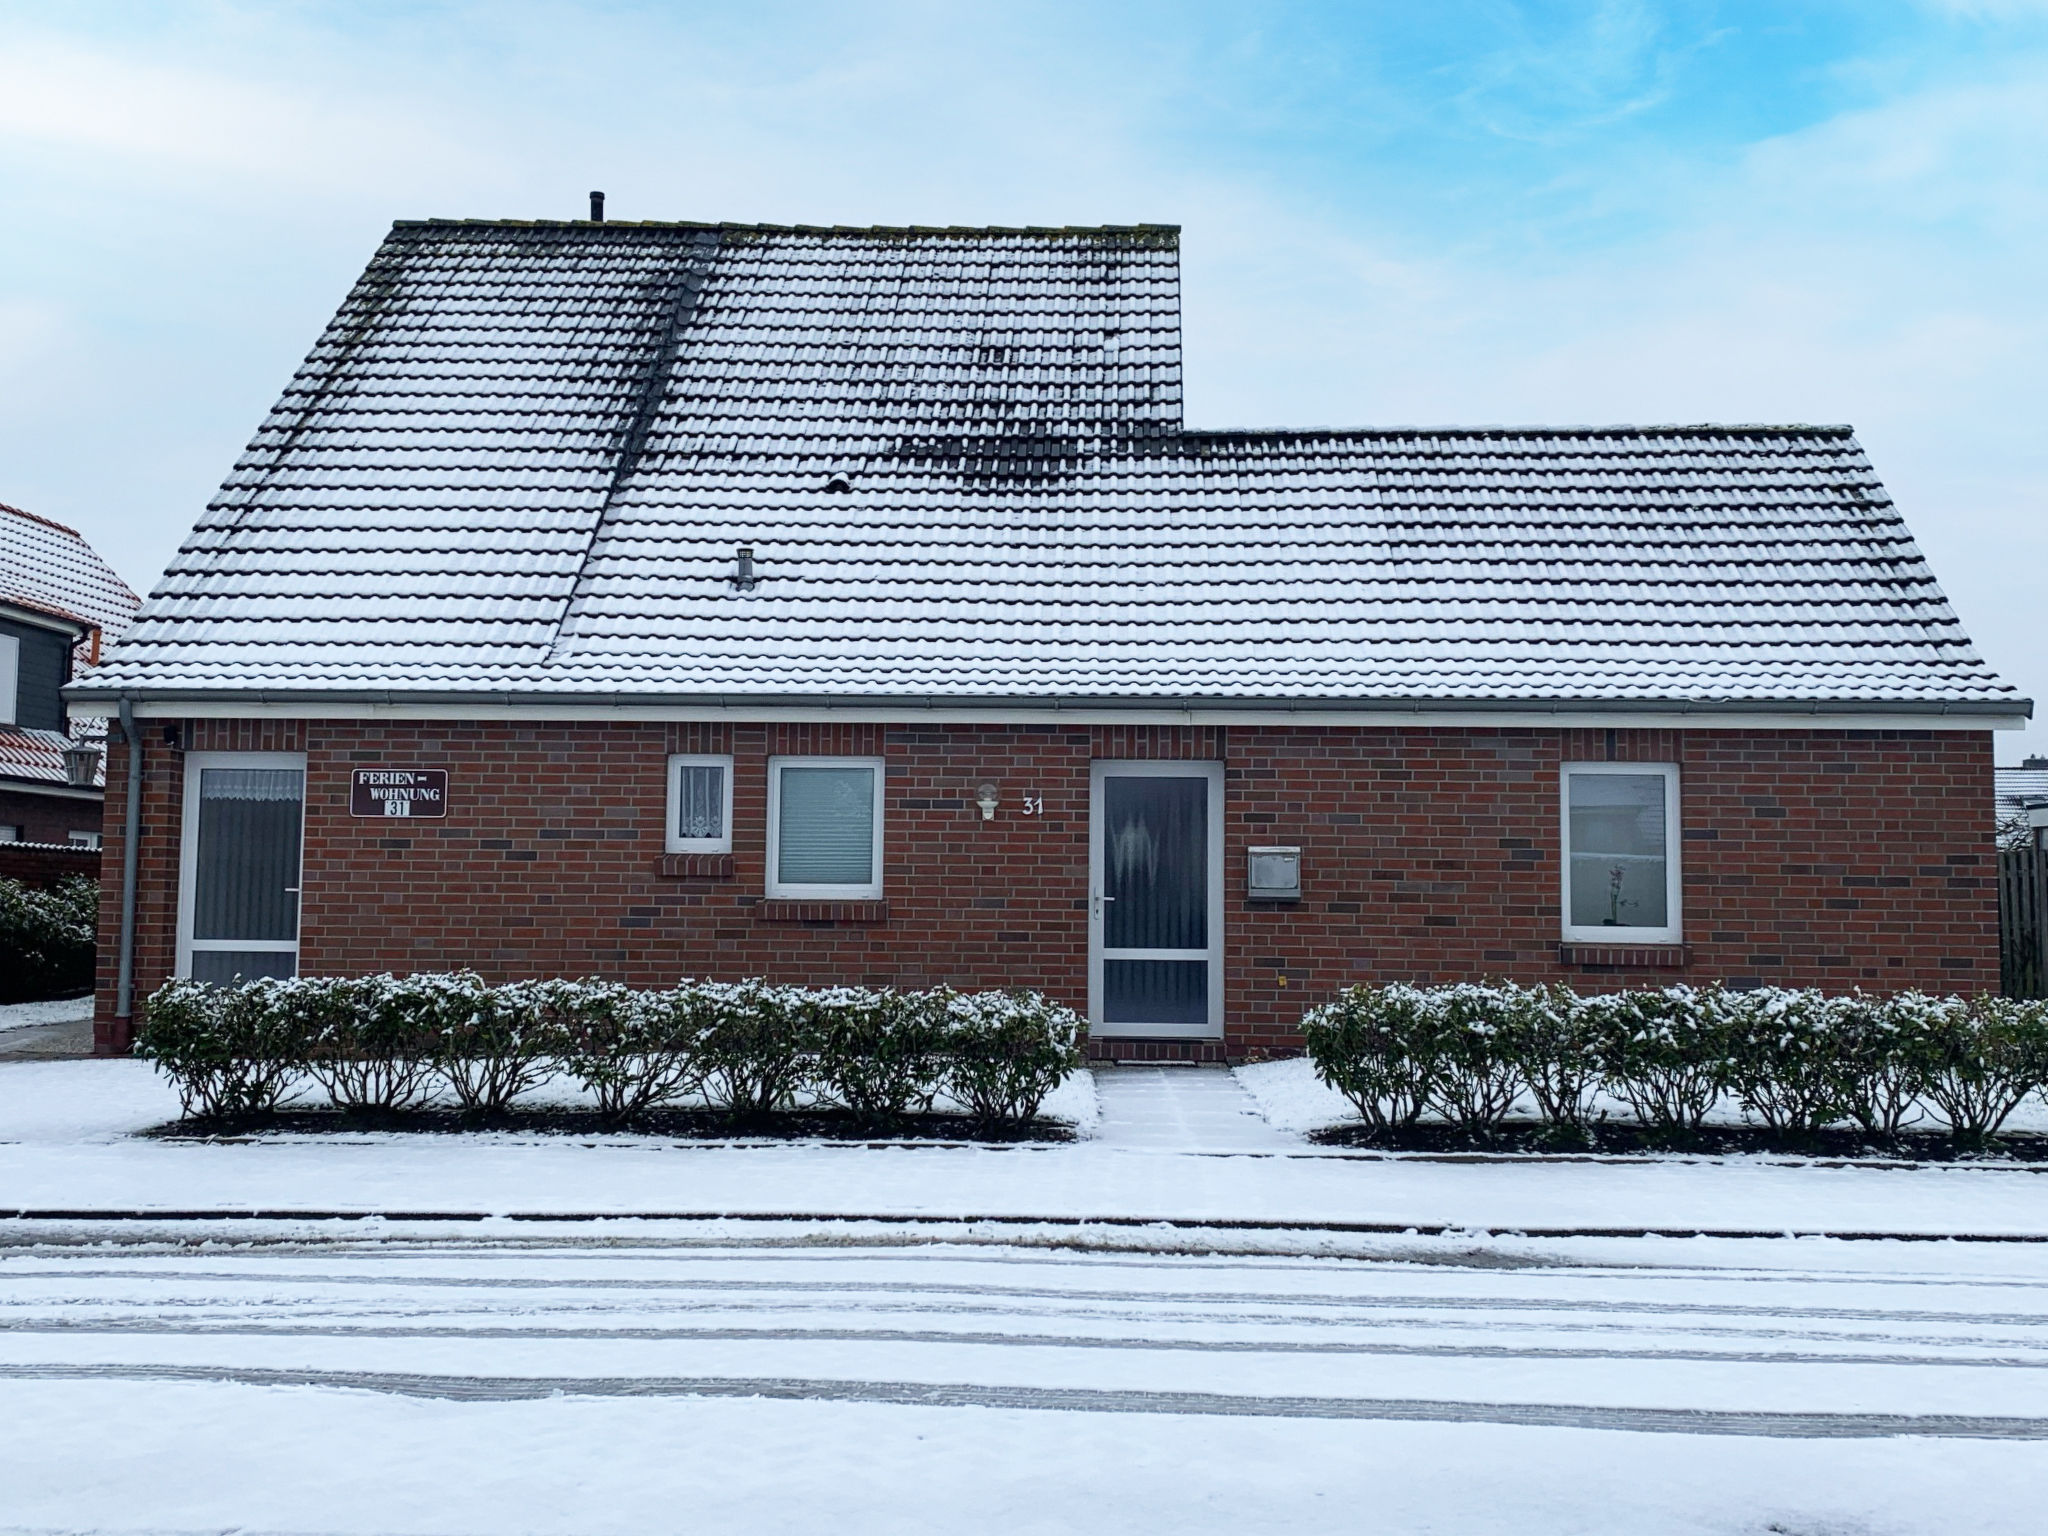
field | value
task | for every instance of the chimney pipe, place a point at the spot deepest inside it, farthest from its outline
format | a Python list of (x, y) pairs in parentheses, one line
[(597, 207), (743, 576)]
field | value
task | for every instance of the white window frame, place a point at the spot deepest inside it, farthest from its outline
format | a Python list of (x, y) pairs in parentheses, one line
[(10, 679), (1674, 841), (676, 764), (779, 890), (84, 839), (188, 853), (1099, 772)]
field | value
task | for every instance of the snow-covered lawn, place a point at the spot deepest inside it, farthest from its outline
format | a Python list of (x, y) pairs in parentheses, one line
[(62, 1010), (1290, 1096)]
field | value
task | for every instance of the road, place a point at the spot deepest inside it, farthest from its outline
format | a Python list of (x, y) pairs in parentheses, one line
[(800, 1372)]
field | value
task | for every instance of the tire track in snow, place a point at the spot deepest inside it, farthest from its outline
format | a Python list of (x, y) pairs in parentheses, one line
[(505, 1389), (1361, 1302), (144, 1326)]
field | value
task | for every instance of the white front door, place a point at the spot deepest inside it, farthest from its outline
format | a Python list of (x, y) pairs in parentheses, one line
[(1155, 928), (238, 885)]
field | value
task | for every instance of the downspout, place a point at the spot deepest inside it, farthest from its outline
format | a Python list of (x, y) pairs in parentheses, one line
[(131, 830)]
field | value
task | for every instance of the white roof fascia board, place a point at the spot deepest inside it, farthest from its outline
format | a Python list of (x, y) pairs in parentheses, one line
[(53, 791), (43, 619), (1945, 717)]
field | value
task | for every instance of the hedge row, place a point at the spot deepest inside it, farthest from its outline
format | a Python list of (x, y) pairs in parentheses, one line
[(1798, 1061), (393, 1043), (47, 939)]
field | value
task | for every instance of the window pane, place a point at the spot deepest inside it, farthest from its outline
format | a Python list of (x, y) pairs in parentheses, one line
[(827, 827), (224, 967), (1617, 853), (700, 800), (1155, 991), (1155, 863), (247, 874)]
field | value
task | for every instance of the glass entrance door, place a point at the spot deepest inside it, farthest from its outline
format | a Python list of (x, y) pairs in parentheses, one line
[(238, 908), (1156, 864)]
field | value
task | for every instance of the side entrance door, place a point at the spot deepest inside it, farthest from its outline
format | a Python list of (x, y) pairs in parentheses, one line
[(238, 885), (1155, 929)]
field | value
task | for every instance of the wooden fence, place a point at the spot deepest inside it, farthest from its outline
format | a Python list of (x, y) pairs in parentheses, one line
[(2023, 923)]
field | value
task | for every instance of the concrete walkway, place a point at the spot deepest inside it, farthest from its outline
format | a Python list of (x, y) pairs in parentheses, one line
[(1182, 1109)]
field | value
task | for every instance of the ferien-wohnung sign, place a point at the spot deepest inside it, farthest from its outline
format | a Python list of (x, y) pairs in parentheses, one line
[(398, 792)]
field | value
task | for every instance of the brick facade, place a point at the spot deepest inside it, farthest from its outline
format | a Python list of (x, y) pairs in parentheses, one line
[(1811, 857), (48, 818)]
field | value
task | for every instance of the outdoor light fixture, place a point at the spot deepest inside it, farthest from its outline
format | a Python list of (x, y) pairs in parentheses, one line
[(986, 798), (81, 764)]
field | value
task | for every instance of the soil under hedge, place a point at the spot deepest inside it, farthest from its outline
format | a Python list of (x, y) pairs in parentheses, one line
[(1610, 1139), (679, 1124)]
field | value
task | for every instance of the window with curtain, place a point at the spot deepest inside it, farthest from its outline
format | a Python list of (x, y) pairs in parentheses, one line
[(699, 804), (825, 828), (1621, 852)]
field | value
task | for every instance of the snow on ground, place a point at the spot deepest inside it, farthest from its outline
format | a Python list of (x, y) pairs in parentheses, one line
[(66, 1142), (62, 1010), (1293, 1098), (681, 1377)]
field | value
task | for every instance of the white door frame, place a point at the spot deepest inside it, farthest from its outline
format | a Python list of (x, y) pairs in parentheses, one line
[(1159, 769), (188, 853)]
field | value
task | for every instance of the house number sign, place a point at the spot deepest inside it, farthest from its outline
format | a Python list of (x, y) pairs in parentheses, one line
[(398, 792)]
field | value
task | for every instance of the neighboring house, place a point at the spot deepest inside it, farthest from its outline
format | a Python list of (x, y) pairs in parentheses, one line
[(852, 605), (59, 604), (2020, 790)]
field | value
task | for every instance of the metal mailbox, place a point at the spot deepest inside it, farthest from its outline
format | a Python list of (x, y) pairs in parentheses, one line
[(1272, 874)]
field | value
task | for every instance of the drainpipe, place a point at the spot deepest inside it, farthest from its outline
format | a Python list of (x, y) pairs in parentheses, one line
[(124, 985)]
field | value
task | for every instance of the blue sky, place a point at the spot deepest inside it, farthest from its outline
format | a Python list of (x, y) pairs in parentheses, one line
[(1393, 213)]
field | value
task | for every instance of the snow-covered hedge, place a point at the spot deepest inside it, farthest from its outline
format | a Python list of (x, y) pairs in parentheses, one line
[(1798, 1061), (47, 938), (394, 1042)]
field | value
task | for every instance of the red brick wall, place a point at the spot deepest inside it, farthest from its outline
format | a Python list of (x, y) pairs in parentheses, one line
[(48, 818), (1825, 858)]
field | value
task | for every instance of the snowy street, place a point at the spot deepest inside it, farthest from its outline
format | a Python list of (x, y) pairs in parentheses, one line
[(770, 1378), (1183, 1322)]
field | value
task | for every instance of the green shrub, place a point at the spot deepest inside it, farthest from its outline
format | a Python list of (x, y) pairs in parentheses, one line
[(1885, 1070), (1478, 1039), (371, 1040), (760, 1047), (1792, 1061), (1005, 1051), (632, 1051), (47, 939), (227, 1050), (881, 1055), (1381, 1048), (490, 1044), (1554, 1047), (1980, 1060), (1666, 1054)]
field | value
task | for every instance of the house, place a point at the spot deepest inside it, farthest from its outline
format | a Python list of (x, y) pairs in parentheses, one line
[(853, 605), (59, 604), (2020, 790)]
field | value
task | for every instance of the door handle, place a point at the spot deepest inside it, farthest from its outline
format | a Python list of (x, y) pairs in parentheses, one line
[(1099, 900)]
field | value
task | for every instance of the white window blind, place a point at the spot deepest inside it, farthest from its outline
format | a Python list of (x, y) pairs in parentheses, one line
[(826, 828)]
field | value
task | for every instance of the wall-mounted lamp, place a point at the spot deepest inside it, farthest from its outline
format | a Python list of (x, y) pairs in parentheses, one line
[(987, 799), (81, 765)]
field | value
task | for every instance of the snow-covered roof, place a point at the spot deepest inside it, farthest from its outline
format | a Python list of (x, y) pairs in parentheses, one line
[(48, 568), (522, 459), (31, 757), (2020, 788)]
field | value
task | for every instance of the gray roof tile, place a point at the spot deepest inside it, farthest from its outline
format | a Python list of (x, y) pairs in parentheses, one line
[(522, 456)]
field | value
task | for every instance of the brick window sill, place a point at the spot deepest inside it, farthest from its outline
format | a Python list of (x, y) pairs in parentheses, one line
[(697, 866), (822, 912), (1627, 957)]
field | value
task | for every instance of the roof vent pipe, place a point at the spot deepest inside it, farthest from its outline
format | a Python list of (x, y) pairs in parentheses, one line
[(597, 207), (743, 570)]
